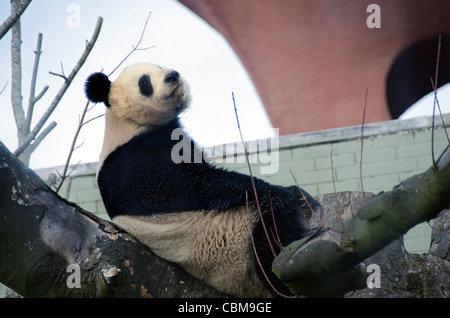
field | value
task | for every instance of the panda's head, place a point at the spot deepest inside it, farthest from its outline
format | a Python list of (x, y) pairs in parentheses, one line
[(144, 94)]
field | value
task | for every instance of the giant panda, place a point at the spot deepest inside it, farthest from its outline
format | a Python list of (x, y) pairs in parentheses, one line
[(199, 216)]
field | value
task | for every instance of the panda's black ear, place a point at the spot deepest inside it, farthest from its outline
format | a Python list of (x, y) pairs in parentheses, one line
[(97, 88)]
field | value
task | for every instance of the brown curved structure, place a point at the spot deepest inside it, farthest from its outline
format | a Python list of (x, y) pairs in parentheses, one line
[(312, 61)]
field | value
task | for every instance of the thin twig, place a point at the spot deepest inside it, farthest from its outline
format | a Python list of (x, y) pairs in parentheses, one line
[(135, 47), (334, 183), (59, 75), (63, 75), (362, 146), (434, 101), (440, 111), (66, 175), (338, 209), (92, 119), (251, 177), (62, 69), (4, 87), (259, 209), (256, 253), (277, 239), (81, 123), (72, 149), (79, 146)]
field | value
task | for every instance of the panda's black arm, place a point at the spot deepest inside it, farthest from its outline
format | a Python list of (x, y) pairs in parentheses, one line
[(220, 189), (141, 178)]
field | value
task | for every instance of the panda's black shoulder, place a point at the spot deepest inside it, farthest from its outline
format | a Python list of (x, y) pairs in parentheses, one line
[(157, 138), (154, 142), (140, 170)]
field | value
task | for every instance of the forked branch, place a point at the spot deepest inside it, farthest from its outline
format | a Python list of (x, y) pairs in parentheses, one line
[(135, 47), (89, 45)]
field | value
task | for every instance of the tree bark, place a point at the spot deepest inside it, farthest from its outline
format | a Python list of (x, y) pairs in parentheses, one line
[(326, 264), (401, 274), (41, 234)]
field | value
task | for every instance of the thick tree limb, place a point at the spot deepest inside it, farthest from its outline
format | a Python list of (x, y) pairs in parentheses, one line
[(308, 266), (41, 235)]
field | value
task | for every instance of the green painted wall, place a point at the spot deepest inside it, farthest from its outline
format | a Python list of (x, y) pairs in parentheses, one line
[(392, 151)]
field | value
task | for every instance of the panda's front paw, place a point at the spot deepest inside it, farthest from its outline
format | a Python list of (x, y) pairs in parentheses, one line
[(280, 197)]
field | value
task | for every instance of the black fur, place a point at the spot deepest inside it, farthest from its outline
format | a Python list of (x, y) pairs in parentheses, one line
[(140, 178), (97, 88), (145, 85)]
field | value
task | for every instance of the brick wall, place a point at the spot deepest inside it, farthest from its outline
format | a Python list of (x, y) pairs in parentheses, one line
[(393, 151)]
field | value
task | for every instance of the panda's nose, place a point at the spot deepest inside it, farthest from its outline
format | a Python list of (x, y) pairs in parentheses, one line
[(172, 77)]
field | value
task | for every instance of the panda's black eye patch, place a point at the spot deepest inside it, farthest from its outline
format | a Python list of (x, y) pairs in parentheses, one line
[(145, 85)]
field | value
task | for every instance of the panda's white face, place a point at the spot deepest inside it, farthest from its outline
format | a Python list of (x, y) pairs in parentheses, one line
[(143, 97), (148, 95)]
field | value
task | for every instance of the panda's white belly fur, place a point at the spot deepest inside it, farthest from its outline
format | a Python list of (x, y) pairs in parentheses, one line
[(212, 246)]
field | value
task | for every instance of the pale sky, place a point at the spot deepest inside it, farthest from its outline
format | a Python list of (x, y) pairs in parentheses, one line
[(181, 40)]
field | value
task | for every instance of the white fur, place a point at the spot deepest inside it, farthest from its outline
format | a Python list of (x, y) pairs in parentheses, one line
[(130, 113), (212, 246), (167, 101)]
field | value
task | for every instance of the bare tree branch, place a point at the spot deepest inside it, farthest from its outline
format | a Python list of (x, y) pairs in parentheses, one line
[(4, 87), (39, 96), (14, 16), (135, 47), (16, 76), (440, 112), (41, 136), (32, 99), (61, 92), (64, 174), (362, 143), (380, 221), (62, 75), (435, 98)]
